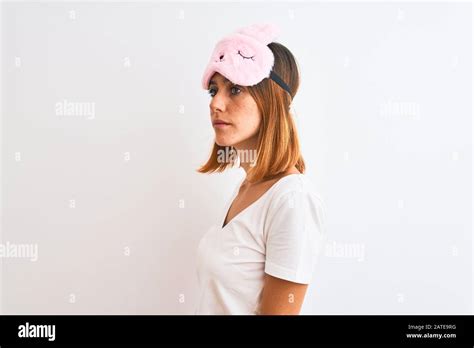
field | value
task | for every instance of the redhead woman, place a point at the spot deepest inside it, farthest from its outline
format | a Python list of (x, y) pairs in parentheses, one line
[(260, 257)]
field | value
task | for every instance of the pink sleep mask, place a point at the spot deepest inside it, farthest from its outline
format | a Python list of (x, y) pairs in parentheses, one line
[(244, 57)]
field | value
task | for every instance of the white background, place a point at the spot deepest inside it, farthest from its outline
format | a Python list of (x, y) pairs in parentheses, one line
[(384, 114)]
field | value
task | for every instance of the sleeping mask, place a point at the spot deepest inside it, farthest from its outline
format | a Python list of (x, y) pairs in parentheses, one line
[(244, 57)]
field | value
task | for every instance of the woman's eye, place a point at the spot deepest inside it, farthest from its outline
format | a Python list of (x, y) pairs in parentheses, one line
[(211, 91), (235, 88)]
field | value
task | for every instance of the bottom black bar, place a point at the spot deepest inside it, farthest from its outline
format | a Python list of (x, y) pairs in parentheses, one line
[(427, 330)]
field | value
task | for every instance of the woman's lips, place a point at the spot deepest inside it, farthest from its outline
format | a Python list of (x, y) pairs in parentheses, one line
[(221, 125)]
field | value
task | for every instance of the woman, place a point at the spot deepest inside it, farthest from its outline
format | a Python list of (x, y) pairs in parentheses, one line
[(261, 256)]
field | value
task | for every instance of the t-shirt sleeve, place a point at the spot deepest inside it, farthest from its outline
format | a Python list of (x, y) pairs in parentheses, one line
[(294, 236)]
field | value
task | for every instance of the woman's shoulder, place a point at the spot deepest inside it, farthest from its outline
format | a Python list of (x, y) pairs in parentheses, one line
[(294, 203), (295, 185), (294, 191)]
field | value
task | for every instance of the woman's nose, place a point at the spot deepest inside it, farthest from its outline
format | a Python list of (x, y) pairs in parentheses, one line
[(217, 103)]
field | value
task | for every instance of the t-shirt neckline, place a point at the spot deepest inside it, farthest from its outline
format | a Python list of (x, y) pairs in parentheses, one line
[(253, 203)]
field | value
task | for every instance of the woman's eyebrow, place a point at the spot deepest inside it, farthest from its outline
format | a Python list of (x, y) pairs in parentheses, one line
[(226, 81)]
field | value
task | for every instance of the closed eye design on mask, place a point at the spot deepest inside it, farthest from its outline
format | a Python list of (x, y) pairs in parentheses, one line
[(245, 56)]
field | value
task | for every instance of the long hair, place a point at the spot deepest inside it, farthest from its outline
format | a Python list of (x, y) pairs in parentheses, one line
[(278, 147)]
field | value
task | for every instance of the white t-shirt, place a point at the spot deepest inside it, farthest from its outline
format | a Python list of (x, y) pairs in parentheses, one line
[(280, 234)]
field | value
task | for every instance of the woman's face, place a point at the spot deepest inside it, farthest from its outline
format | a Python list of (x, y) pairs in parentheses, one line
[(233, 105)]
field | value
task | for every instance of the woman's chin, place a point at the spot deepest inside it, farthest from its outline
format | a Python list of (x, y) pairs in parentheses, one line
[(222, 142)]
